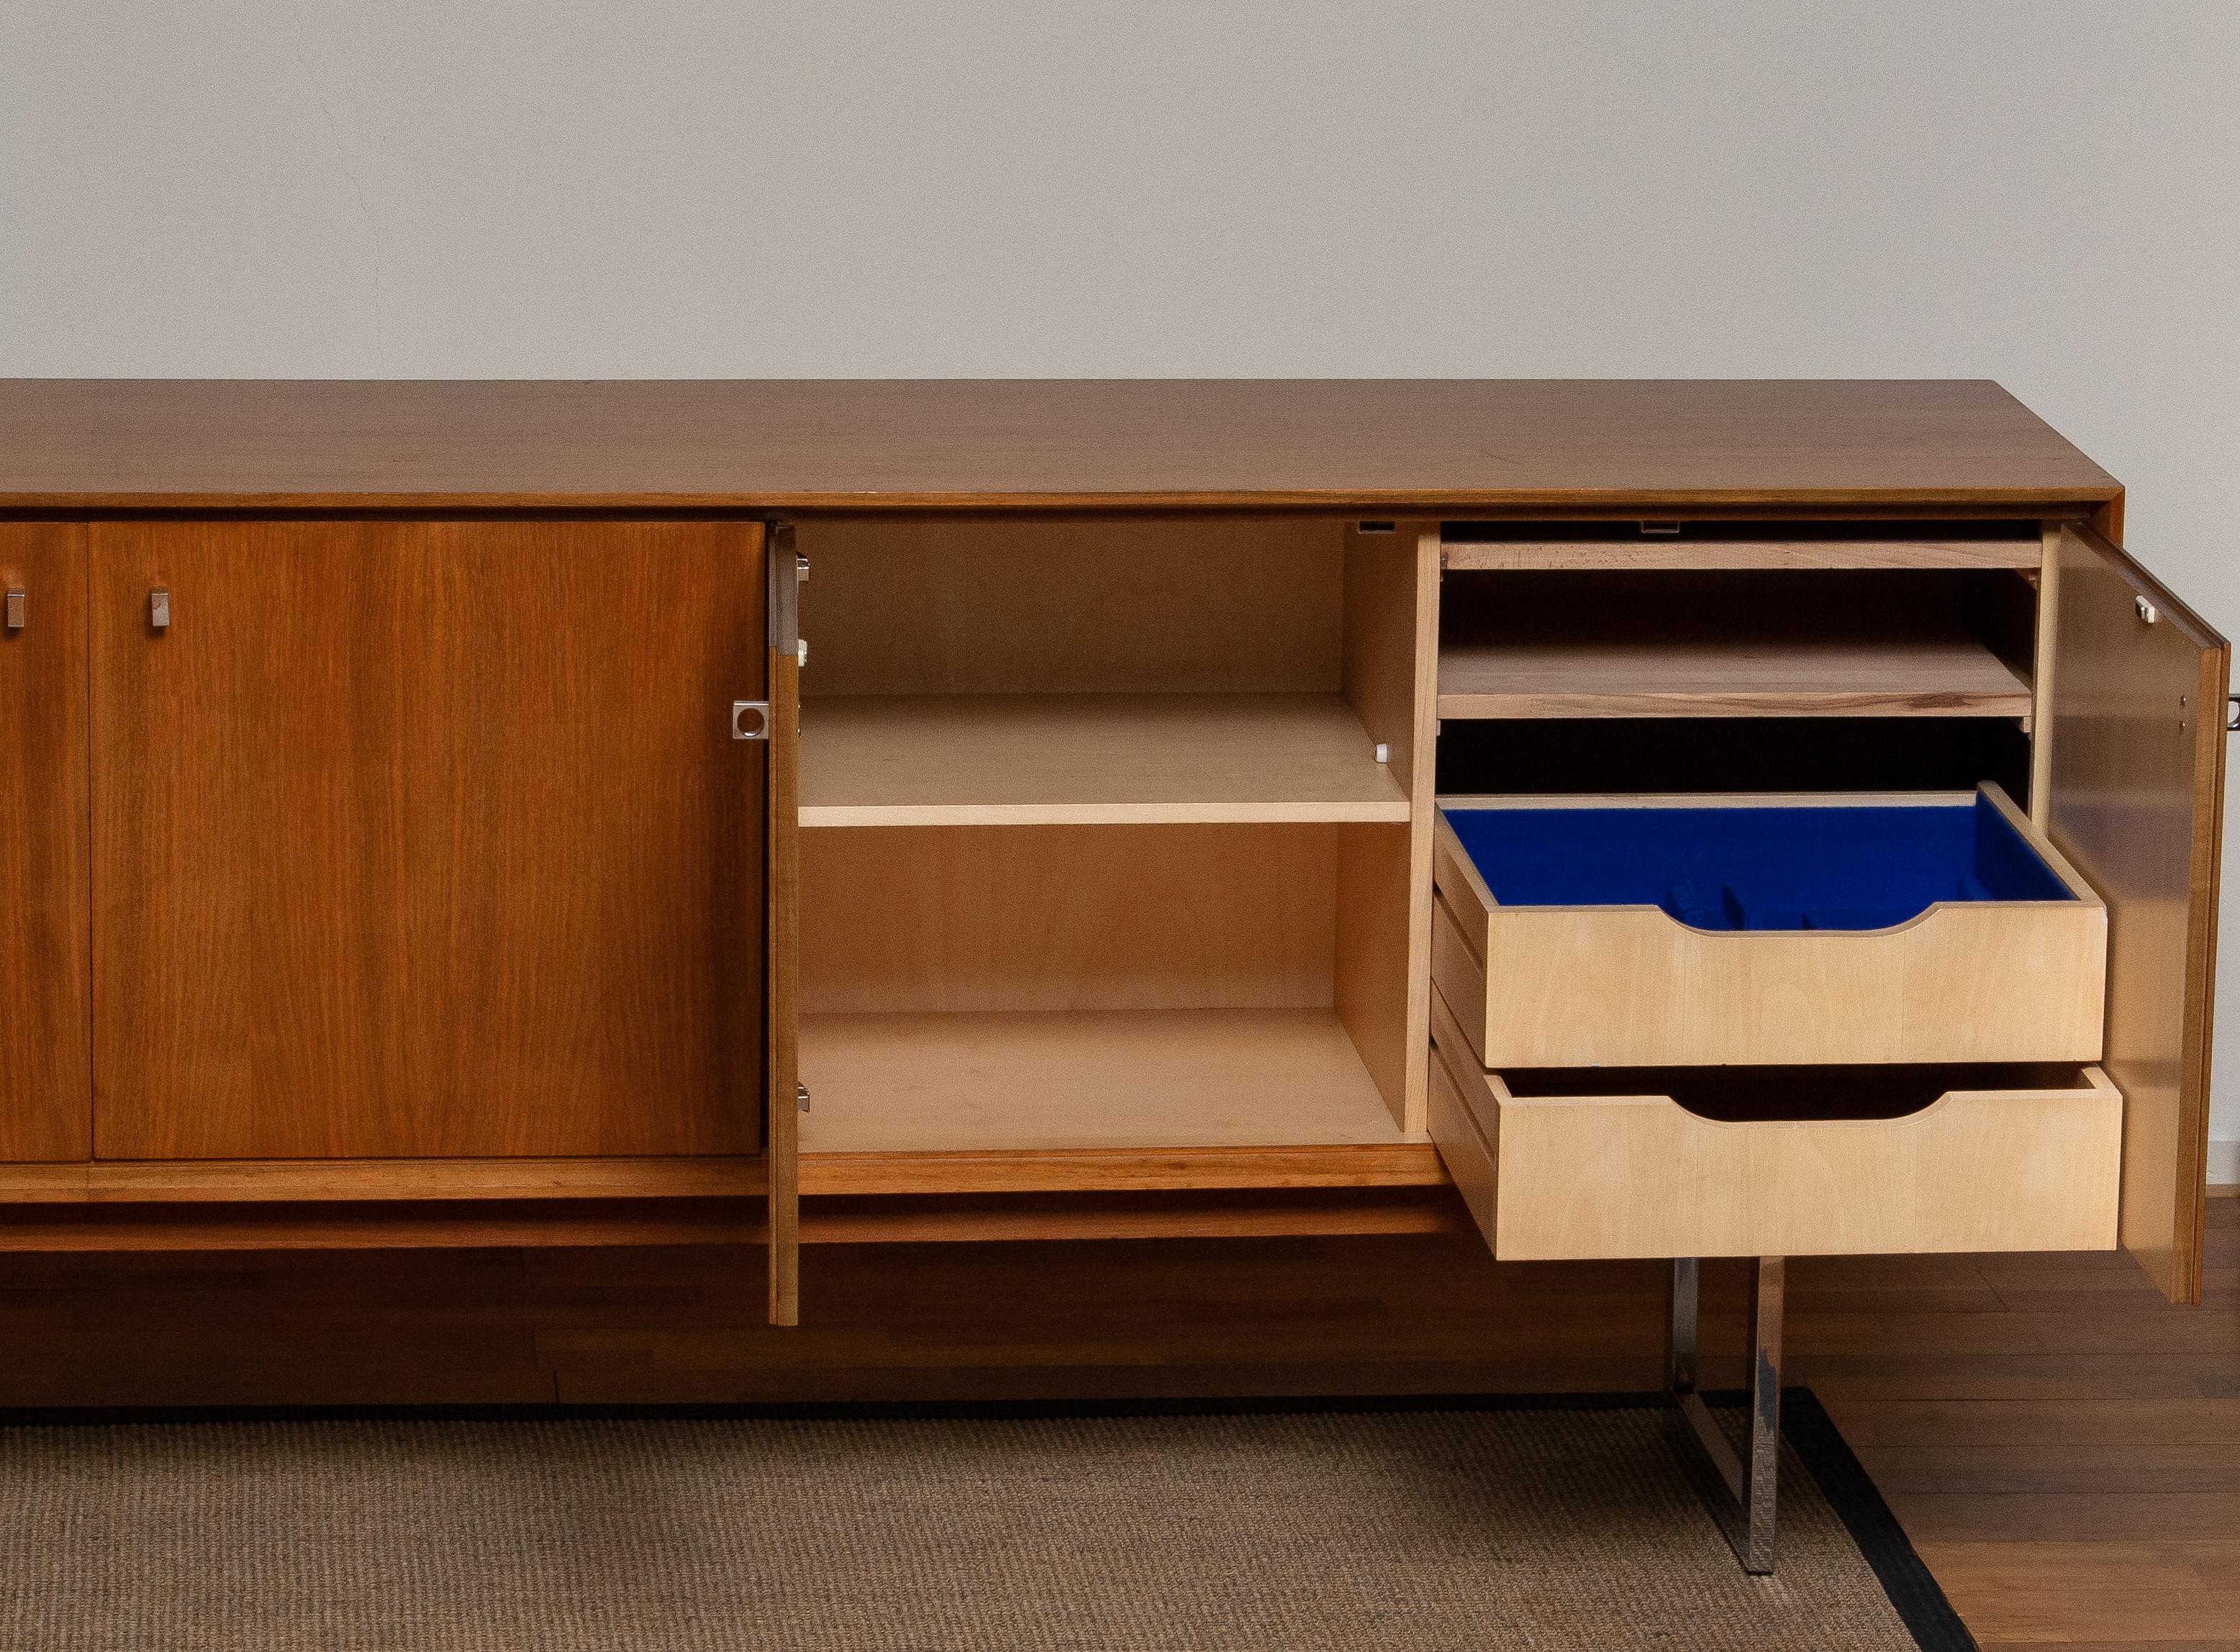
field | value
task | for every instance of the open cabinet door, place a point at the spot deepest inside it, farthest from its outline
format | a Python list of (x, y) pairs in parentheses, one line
[(782, 961), (2133, 712)]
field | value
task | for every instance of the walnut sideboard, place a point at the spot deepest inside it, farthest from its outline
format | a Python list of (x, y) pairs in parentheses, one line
[(781, 812)]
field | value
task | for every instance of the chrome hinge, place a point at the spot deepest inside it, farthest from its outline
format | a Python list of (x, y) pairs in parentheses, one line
[(2232, 711), (787, 574), (750, 719), (800, 1097)]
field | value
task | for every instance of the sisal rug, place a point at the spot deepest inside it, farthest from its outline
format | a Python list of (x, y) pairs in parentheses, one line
[(1561, 1527)]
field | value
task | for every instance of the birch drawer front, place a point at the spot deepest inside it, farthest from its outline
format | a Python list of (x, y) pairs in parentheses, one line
[(1710, 931), (1573, 1176)]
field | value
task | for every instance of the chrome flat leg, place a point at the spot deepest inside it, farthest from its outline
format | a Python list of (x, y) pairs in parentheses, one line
[(1767, 1282), (1740, 1491), (1680, 1327)]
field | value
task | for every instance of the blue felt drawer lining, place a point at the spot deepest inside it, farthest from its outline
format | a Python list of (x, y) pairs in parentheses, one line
[(1865, 866)]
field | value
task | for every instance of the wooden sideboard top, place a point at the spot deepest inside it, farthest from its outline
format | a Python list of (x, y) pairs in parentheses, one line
[(1433, 446)]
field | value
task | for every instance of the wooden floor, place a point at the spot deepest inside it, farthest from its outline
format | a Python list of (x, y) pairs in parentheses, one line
[(2063, 1447)]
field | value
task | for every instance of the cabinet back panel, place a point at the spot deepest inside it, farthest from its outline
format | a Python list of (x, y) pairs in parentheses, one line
[(1761, 642), (1145, 607), (1502, 755), (920, 919), (45, 1010), (426, 839)]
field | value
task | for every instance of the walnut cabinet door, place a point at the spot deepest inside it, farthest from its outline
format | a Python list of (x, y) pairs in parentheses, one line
[(422, 838), (45, 973)]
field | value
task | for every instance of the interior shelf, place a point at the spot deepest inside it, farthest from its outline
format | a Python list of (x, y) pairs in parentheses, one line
[(1089, 759), (1795, 676), (1603, 547), (1555, 645), (1141, 1078)]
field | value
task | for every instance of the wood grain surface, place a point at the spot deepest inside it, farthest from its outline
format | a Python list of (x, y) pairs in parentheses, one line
[(1593, 986), (1089, 759), (778, 901), (1383, 982), (1706, 554), (426, 839), (2060, 1442), (46, 982), (286, 1181), (1143, 1078), (1069, 917), (1628, 642), (2135, 789), (1430, 445), (1071, 605), (1623, 1173), (1387, 1164), (295, 1180)]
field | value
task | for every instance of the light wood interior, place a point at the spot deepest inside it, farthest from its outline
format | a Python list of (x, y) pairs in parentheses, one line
[(1726, 644), (1157, 605), (1079, 759), (1041, 673), (1145, 1078), (1070, 917), (2135, 776), (1200, 963), (1709, 546), (1391, 675), (1576, 1176), (1623, 986), (1110, 862)]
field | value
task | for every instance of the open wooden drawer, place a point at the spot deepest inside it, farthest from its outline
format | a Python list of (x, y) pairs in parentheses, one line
[(1591, 931), (2032, 1162)]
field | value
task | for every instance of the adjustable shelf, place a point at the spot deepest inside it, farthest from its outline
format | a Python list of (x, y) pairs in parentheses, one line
[(1698, 555), (1089, 759), (1006, 989), (1731, 546), (1951, 676), (1717, 645)]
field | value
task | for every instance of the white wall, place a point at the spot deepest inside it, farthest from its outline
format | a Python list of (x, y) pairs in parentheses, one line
[(2046, 192)]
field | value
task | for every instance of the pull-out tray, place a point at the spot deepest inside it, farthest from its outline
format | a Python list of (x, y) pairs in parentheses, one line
[(2028, 1165), (1640, 931)]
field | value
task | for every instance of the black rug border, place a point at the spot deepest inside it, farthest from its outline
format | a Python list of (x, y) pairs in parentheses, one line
[(1906, 1582), (1914, 1593)]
